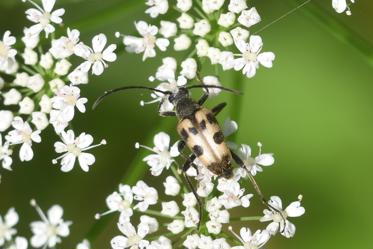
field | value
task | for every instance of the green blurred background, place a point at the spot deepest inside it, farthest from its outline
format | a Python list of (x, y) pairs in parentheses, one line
[(314, 110)]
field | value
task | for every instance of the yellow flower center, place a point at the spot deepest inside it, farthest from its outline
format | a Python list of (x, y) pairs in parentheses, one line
[(3, 50), (72, 148), (248, 56)]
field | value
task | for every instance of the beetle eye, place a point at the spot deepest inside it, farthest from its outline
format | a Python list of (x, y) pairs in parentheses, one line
[(171, 98)]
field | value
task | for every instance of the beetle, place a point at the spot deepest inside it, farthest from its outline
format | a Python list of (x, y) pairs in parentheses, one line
[(201, 133)]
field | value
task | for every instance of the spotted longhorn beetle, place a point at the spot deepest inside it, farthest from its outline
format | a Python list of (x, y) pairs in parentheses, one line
[(201, 133)]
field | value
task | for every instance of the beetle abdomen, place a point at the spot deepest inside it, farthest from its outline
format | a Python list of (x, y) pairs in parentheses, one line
[(203, 136)]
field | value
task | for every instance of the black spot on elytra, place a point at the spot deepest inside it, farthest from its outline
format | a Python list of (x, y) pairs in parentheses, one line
[(184, 134), (203, 124), (193, 130), (211, 118), (218, 137), (197, 150)]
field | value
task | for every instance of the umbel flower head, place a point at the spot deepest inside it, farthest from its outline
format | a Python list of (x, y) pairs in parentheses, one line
[(172, 216), (42, 88), (215, 29)]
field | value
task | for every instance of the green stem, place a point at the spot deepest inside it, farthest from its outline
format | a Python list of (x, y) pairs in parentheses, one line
[(247, 218), (159, 214)]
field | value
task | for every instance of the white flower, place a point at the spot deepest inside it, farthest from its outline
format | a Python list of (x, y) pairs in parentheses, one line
[(189, 68), (30, 39), (62, 67), (251, 56), (78, 77), (30, 57), (210, 6), (202, 47), (172, 187), (170, 208), (341, 6), (6, 118), (226, 60), (40, 120), (161, 243), (249, 240), (213, 227), (19, 243), (48, 231), (191, 241), (168, 29), (225, 39), (67, 98), (226, 19), (189, 200), (65, 46), (214, 55), (23, 134), (184, 5), (132, 239), (240, 34), (84, 245), (147, 43), (120, 202), (7, 53), (5, 154), (202, 28), (182, 42), (97, 56), (73, 148), (236, 6), (185, 21), (191, 217), (205, 242), (45, 104), (145, 195), (249, 17), (26, 106), (163, 157), (150, 222), (21, 79), (157, 7), (46, 61), (12, 97), (35, 83), (56, 85), (279, 222), (6, 226), (177, 226), (254, 164), (44, 17), (233, 194), (212, 81), (221, 244)]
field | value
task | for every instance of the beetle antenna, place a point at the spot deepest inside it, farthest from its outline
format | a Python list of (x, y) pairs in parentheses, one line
[(213, 86), (107, 93)]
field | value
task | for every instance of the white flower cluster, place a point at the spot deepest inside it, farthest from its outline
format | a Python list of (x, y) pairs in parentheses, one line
[(171, 217), (47, 233), (40, 86), (343, 6), (216, 29), (170, 77)]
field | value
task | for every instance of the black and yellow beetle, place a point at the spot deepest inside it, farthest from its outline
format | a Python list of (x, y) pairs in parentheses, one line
[(201, 133)]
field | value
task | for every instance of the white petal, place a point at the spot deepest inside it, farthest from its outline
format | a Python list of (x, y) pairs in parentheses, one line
[(108, 54), (26, 153), (295, 209), (68, 162), (162, 141), (11, 218), (98, 68), (229, 127), (339, 5), (86, 160), (265, 159), (255, 43), (48, 5), (266, 59), (119, 242), (99, 42), (55, 214)]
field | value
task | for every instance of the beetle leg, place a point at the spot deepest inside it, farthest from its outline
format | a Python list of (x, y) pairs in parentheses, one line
[(217, 109), (238, 160), (203, 99), (181, 146), (186, 166)]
